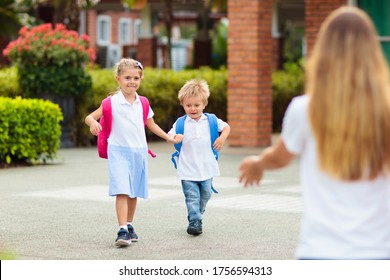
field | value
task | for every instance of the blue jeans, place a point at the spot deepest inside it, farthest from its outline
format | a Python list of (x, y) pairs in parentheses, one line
[(197, 194)]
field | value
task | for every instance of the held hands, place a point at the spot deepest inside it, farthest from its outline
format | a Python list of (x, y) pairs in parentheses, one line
[(174, 139), (251, 171)]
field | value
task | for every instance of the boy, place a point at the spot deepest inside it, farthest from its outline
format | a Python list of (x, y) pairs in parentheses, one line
[(197, 164)]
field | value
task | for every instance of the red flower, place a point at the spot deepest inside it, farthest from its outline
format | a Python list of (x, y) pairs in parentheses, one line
[(44, 45)]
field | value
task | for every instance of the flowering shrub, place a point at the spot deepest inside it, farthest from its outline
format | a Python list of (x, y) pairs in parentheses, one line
[(44, 45), (51, 61)]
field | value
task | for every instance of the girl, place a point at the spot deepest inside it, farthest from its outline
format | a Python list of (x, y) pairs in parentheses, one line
[(127, 147), (341, 130)]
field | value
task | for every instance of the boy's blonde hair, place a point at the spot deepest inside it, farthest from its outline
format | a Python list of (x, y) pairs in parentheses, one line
[(349, 88), (128, 63), (195, 88)]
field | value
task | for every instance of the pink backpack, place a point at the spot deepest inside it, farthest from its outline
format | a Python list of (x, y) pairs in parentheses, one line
[(106, 123)]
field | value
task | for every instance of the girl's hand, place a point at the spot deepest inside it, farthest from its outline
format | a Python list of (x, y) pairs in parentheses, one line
[(171, 139), (95, 128), (251, 171)]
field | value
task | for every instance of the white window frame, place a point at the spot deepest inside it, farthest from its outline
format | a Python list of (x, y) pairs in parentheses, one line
[(124, 23), (137, 30), (352, 3), (83, 20), (275, 21), (101, 19)]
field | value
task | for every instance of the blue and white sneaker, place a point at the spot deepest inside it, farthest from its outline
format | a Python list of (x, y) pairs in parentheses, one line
[(123, 238), (195, 227), (133, 235)]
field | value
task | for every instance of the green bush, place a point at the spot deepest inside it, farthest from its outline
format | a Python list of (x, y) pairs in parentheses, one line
[(103, 83), (63, 81), (50, 60), (162, 87), (286, 84), (9, 85), (29, 130)]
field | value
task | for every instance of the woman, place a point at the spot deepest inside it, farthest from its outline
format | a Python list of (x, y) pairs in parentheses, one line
[(341, 131)]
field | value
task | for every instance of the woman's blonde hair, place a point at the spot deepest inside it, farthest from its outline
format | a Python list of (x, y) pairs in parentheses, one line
[(349, 88), (195, 87)]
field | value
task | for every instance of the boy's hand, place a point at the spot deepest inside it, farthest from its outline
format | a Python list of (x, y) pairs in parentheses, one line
[(218, 143)]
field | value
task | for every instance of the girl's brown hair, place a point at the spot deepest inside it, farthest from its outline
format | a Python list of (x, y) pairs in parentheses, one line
[(349, 88)]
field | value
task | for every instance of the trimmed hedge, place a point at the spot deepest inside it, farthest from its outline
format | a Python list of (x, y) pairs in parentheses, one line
[(29, 130), (9, 85), (161, 87), (286, 84)]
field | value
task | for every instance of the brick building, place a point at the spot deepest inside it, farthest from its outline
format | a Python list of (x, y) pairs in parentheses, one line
[(116, 31), (252, 45)]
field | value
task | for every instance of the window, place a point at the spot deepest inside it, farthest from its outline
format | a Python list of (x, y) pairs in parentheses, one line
[(137, 30), (103, 30), (124, 31)]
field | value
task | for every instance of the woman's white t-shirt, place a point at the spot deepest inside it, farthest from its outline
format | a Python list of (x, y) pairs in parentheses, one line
[(341, 220)]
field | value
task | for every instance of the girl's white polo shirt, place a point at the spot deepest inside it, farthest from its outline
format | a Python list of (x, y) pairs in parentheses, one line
[(127, 122)]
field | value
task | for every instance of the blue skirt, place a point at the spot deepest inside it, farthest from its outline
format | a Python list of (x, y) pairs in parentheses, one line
[(128, 169)]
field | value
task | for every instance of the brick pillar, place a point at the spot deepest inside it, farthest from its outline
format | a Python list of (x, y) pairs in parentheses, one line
[(92, 28), (315, 13), (146, 51), (250, 61)]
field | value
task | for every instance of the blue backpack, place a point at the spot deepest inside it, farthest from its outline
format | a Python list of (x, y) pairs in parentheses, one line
[(214, 134)]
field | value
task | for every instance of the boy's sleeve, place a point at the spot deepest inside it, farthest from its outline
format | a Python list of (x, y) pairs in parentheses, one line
[(221, 124), (172, 131)]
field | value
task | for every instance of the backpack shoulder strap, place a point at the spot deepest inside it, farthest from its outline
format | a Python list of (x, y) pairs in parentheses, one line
[(106, 105), (145, 107), (180, 124), (179, 130), (107, 114), (106, 123), (214, 134)]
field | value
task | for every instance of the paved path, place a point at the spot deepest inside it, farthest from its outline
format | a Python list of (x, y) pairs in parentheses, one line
[(61, 211)]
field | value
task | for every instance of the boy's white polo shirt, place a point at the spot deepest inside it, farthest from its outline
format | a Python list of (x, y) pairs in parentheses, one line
[(197, 161), (127, 122)]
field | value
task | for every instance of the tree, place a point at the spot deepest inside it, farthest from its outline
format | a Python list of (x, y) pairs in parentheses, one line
[(168, 18), (9, 20)]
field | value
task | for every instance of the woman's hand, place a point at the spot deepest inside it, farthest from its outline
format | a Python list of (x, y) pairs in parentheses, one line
[(251, 171)]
